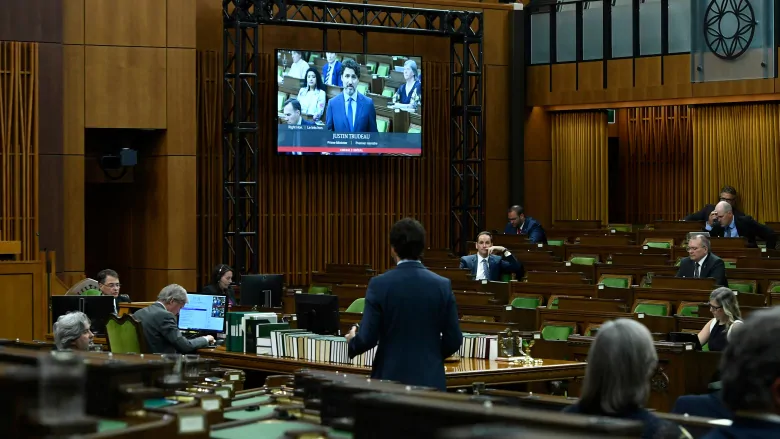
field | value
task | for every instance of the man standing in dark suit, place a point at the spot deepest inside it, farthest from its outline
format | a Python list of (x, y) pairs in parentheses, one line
[(490, 262), (160, 327), (350, 112), (519, 224), (727, 194), (701, 263), (411, 313), (750, 373), (729, 225)]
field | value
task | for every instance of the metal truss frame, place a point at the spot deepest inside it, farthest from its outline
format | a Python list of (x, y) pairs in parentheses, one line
[(241, 22)]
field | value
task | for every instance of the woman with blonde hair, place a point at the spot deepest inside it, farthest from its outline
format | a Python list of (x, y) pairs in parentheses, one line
[(725, 313)]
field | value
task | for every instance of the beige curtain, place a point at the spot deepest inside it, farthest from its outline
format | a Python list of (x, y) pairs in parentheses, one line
[(737, 145), (579, 161)]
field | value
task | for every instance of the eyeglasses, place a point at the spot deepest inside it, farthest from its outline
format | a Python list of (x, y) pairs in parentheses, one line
[(715, 308), (116, 285), (726, 199), (692, 249)]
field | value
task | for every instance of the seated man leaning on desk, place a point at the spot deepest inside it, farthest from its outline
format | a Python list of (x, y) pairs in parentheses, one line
[(485, 265), (701, 263), (160, 327)]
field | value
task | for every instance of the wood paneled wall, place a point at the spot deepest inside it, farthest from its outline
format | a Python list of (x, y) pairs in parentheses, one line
[(19, 212), (630, 80), (316, 210), (132, 64)]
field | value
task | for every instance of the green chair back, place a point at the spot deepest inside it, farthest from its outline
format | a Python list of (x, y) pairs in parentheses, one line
[(383, 70), (525, 302), (553, 332), (381, 125), (553, 304), (122, 336), (506, 277), (581, 260), (357, 305), (658, 245), (318, 289), (653, 309), (620, 227), (555, 242), (91, 293), (730, 264), (677, 264), (689, 311), (615, 282), (775, 289), (742, 288), (388, 92)]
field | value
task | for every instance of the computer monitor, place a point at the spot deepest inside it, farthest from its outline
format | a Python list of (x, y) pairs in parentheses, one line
[(262, 290), (685, 337), (203, 312), (318, 313), (97, 309)]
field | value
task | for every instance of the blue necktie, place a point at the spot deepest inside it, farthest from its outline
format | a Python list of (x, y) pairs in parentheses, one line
[(349, 115), (485, 269)]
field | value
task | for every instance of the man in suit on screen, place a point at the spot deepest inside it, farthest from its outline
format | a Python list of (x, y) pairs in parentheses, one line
[(331, 72), (410, 312), (350, 112)]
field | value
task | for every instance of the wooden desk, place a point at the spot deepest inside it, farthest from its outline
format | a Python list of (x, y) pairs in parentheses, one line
[(461, 374)]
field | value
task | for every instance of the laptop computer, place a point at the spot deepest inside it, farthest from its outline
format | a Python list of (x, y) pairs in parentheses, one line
[(685, 337), (203, 315)]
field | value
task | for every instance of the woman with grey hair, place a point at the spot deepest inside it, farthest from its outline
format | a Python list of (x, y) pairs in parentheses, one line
[(410, 92), (71, 331), (617, 378), (726, 314)]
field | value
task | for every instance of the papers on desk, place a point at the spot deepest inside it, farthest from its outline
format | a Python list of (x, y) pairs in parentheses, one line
[(479, 346)]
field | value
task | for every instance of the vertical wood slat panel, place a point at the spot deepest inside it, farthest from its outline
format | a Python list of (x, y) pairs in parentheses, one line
[(19, 146), (658, 153), (318, 210)]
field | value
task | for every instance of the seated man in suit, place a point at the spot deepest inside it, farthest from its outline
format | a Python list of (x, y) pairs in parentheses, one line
[(350, 112), (160, 327), (729, 225), (331, 72), (486, 265), (108, 282), (701, 263), (411, 313), (727, 194), (519, 224), (750, 373)]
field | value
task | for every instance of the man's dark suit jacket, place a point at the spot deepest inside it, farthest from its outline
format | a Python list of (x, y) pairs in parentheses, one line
[(336, 115), (704, 213), (531, 228), (750, 229), (162, 332), (498, 265), (713, 267), (411, 313), (746, 428), (336, 73)]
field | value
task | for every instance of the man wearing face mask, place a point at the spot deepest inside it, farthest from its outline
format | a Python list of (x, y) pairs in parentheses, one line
[(350, 112)]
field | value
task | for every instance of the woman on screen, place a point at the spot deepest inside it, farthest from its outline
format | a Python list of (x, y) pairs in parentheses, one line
[(312, 95), (221, 278), (410, 92)]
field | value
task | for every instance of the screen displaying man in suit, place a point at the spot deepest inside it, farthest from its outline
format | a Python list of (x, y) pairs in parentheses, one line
[(331, 72), (729, 225), (701, 263), (490, 262), (161, 328), (411, 313), (707, 213), (350, 112), (520, 224)]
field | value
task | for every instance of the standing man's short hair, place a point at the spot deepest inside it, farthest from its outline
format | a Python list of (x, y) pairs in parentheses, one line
[(489, 235), (518, 209), (407, 237)]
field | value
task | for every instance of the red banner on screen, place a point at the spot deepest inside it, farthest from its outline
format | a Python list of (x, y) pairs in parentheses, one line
[(414, 151)]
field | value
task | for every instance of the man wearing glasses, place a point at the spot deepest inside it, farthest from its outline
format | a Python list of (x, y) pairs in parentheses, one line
[(701, 263), (707, 213), (108, 281)]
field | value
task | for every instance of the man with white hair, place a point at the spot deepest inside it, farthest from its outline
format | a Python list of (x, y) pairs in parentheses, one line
[(702, 263), (71, 331), (729, 225), (160, 327)]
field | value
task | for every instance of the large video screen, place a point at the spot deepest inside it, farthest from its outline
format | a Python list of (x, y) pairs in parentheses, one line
[(348, 104)]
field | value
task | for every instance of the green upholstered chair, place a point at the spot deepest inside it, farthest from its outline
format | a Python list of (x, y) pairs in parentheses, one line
[(557, 331), (357, 305), (91, 293), (620, 227), (730, 264), (388, 92), (553, 303), (774, 287), (382, 125), (653, 308), (526, 302), (743, 285), (383, 69), (688, 309), (555, 242), (125, 335), (318, 289), (615, 280), (659, 243), (582, 260)]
